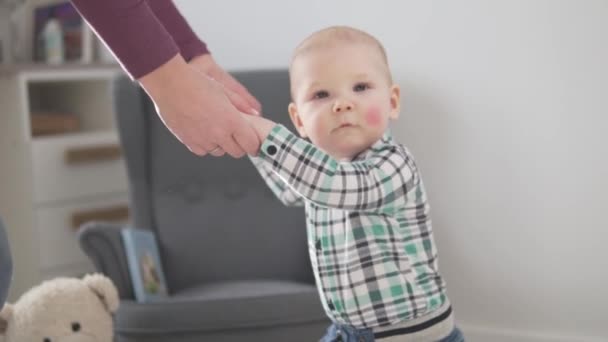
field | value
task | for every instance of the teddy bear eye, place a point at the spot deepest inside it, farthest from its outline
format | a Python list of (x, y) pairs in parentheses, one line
[(46, 339), (75, 327)]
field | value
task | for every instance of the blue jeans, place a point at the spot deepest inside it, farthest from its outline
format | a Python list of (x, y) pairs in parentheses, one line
[(340, 333)]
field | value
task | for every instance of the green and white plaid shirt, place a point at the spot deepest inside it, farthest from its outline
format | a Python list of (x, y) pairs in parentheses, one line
[(369, 231)]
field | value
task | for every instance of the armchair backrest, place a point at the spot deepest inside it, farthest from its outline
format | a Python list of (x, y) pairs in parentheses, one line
[(6, 265), (214, 218)]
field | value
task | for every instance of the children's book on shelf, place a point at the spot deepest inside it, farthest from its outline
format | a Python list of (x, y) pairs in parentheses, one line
[(144, 265)]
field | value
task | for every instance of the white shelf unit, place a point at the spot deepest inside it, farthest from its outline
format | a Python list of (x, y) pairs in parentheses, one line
[(50, 183)]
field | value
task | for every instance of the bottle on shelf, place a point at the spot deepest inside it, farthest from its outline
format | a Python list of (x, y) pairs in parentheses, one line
[(52, 35)]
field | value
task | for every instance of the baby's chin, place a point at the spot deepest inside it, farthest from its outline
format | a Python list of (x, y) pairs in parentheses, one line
[(347, 147), (347, 152)]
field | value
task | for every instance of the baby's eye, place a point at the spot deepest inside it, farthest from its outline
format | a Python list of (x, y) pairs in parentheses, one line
[(361, 87), (321, 94)]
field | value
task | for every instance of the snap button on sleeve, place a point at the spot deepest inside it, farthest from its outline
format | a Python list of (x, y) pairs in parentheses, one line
[(271, 150), (331, 305)]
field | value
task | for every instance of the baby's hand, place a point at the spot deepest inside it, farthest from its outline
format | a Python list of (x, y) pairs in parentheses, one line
[(261, 125)]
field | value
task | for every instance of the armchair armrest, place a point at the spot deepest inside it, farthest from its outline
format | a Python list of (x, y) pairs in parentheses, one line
[(102, 242)]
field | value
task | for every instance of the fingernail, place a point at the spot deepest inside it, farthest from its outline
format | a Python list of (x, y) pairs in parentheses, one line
[(255, 112)]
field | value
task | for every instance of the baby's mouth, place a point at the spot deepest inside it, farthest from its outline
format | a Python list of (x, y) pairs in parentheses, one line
[(344, 125)]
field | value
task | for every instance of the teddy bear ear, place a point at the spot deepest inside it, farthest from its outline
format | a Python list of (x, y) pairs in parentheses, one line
[(104, 289), (5, 315)]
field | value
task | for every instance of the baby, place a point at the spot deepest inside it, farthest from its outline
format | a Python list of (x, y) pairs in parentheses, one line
[(369, 230)]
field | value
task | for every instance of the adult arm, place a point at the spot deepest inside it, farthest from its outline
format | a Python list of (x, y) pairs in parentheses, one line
[(133, 32), (146, 34), (198, 109)]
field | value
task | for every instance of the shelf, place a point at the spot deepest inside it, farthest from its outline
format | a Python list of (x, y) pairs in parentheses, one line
[(85, 95), (44, 177), (68, 138), (38, 72)]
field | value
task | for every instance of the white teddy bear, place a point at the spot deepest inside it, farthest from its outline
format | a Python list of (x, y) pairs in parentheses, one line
[(62, 310)]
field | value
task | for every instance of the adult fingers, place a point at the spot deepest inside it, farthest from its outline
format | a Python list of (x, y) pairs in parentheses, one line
[(236, 87), (230, 146), (199, 151), (240, 102), (217, 152), (236, 90)]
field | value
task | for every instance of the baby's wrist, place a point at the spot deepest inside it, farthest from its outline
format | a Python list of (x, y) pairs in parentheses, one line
[(265, 128), (260, 125)]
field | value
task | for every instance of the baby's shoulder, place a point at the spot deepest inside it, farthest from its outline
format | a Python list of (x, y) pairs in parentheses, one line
[(392, 146)]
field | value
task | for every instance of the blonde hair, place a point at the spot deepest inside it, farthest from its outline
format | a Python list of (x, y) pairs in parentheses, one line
[(331, 36)]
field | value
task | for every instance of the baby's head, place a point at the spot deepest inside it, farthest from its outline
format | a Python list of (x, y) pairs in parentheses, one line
[(342, 91)]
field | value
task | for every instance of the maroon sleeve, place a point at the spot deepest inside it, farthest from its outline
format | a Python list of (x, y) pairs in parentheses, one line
[(189, 44), (135, 34)]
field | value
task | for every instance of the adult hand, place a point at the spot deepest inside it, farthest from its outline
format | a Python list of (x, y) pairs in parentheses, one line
[(236, 92), (198, 112)]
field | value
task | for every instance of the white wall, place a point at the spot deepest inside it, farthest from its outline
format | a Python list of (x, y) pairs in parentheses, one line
[(505, 107)]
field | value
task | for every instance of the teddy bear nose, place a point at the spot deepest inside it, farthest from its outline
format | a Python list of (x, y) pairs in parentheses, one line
[(75, 327)]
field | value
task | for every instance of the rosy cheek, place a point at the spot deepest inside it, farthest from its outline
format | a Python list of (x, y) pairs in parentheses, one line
[(373, 117)]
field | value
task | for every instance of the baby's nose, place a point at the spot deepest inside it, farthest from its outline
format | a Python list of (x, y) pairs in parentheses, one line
[(341, 106)]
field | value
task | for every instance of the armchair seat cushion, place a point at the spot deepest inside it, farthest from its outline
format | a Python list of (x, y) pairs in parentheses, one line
[(224, 306)]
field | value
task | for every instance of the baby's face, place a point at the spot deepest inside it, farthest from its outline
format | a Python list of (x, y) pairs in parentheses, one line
[(343, 98)]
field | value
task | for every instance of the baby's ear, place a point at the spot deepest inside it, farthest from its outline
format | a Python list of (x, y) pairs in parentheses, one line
[(104, 289), (5, 315), (295, 118), (395, 102)]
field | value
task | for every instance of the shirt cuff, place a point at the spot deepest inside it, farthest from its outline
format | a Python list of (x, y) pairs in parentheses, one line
[(276, 140)]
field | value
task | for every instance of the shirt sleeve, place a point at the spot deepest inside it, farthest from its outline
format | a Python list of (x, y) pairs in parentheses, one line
[(281, 189), (189, 44), (379, 183), (136, 36)]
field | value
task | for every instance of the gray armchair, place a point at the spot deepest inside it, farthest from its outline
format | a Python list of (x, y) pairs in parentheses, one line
[(235, 259), (6, 265)]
